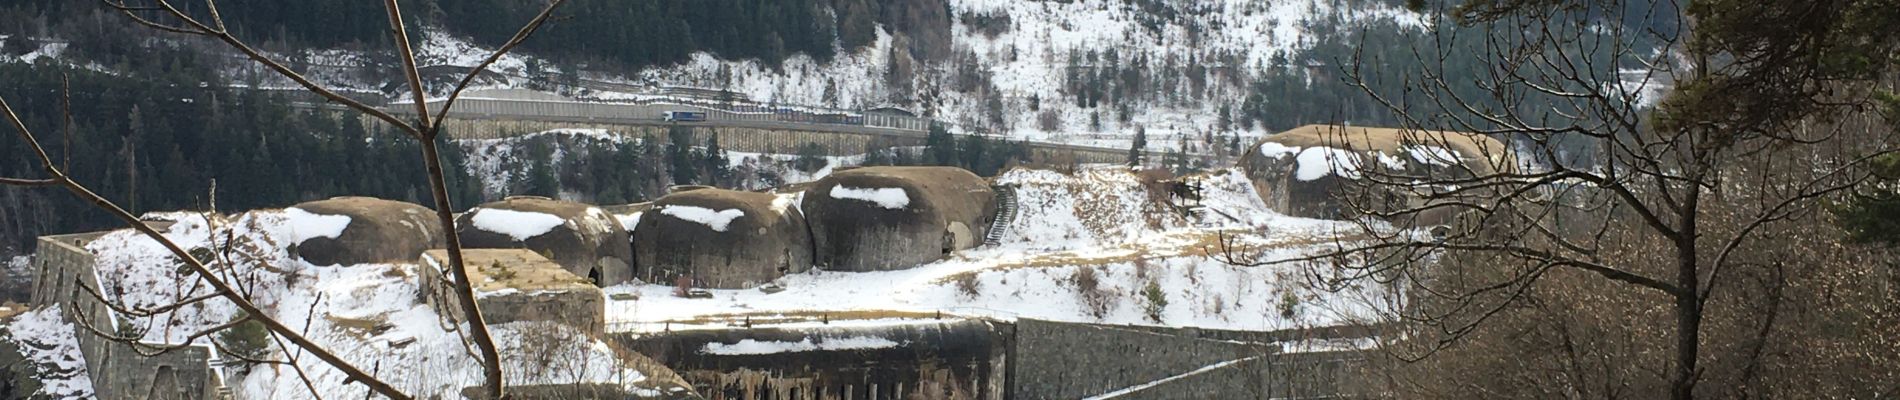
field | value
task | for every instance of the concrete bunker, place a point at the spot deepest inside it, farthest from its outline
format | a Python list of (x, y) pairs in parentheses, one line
[(373, 231), (586, 240), (890, 218), (721, 238), (516, 285), (1308, 171)]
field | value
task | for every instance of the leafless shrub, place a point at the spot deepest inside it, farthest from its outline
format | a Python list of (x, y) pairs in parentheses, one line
[(969, 285), (1088, 285), (1049, 120)]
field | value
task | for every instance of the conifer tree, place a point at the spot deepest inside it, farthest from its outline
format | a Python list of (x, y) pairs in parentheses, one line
[(1140, 144)]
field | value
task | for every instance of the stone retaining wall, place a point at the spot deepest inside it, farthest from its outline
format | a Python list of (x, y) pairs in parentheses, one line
[(118, 370), (1056, 360), (954, 359)]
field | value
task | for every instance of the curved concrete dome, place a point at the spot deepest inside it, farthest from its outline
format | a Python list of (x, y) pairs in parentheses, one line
[(372, 230), (721, 238), (582, 238), (889, 218), (1305, 171)]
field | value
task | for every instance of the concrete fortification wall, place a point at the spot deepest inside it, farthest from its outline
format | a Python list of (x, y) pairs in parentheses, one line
[(958, 359), (1328, 171), (721, 238), (887, 218), (516, 285), (583, 238), (379, 231), (118, 370), (1055, 360)]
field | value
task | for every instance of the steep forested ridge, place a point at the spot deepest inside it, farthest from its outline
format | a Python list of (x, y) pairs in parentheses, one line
[(627, 34), (157, 140)]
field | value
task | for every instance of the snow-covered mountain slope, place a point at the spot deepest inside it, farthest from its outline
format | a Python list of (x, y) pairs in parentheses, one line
[(1080, 71), (1174, 64), (1085, 248)]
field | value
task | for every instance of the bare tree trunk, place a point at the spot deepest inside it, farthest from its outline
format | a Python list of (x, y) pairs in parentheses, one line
[(212, 26), (465, 292), (1688, 333), (492, 377)]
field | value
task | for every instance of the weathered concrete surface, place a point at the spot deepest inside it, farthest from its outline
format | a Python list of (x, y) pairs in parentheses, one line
[(380, 231), (576, 391), (1317, 374), (514, 285), (1387, 155), (1056, 360), (118, 371), (589, 242), (765, 240), (959, 359), (947, 209)]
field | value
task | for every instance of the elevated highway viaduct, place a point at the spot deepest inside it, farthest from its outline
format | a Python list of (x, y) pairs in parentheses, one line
[(758, 132)]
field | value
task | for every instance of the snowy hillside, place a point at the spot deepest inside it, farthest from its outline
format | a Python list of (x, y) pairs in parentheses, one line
[(1084, 72), (1190, 57), (368, 314), (1081, 71), (52, 351), (1085, 248)]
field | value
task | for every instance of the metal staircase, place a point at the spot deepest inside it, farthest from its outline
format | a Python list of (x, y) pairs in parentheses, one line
[(1005, 214)]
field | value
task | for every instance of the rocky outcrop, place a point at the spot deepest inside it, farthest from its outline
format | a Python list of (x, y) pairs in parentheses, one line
[(721, 238), (890, 218)]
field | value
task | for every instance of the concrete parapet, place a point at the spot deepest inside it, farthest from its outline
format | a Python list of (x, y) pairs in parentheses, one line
[(949, 359), (515, 285), (65, 270)]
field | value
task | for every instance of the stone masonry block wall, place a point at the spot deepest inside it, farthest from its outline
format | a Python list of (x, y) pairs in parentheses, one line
[(118, 370), (1057, 360), (1053, 360)]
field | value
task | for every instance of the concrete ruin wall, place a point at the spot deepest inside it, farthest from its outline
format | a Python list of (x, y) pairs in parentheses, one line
[(1368, 154), (945, 209), (580, 306), (767, 240), (959, 359), (379, 231), (1055, 360), (1304, 375), (589, 242), (118, 370)]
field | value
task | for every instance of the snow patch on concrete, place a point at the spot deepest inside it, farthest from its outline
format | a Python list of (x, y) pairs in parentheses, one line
[(1432, 155), (756, 347), (785, 202), (1277, 150), (629, 221), (1318, 162), (519, 225), (717, 220), (305, 225), (892, 198)]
